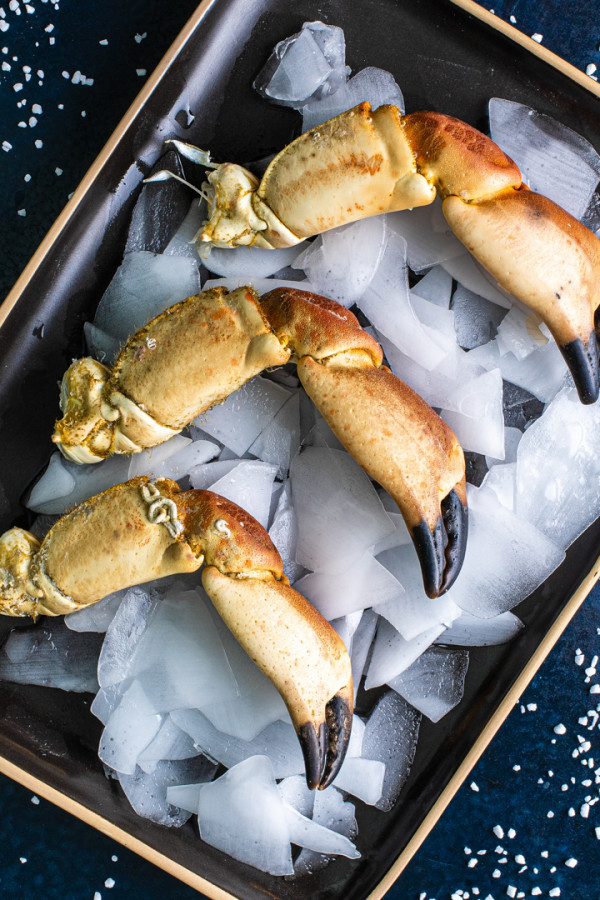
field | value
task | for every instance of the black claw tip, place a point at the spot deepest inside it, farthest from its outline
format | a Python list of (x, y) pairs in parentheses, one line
[(441, 551), (338, 714), (313, 759), (456, 523), (582, 360)]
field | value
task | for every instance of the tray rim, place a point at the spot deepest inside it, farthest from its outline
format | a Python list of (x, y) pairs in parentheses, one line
[(501, 713)]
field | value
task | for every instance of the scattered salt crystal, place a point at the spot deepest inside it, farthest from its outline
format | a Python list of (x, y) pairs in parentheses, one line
[(140, 72), (511, 833), (537, 37), (21, 212), (467, 851), (516, 768), (536, 891), (103, 42), (511, 891), (549, 814), (560, 729), (584, 811), (520, 859), (114, 858), (496, 873), (474, 786), (498, 831), (571, 812), (595, 689), (571, 862), (35, 800), (39, 144), (23, 859), (472, 863), (97, 895), (109, 883)]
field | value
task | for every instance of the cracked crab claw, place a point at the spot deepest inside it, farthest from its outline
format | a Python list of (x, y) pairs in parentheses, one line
[(140, 531)]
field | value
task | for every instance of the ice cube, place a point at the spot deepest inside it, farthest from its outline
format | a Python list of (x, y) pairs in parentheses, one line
[(512, 437), (250, 262), (257, 704), (476, 319), (519, 333), (362, 583), (182, 242), (201, 477), (169, 743), (147, 792), (242, 814), (280, 440), (387, 305), (56, 483), (474, 277), (129, 730), (249, 485), (392, 654), (239, 420), (52, 656), (341, 262), (391, 736), (397, 538), (180, 658), (143, 286), (86, 480), (434, 683), (554, 160), (102, 346), (295, 793), (306, 833), (376, 86), (435, 286), (474, 412), (412, 612), (471, 631), (97, 616), (307, 64), (363, 778), (518, 558), (284, 534), (558, 469), (428, 236), (339, 512), (159, 209), (542, 372), (362, 640), (502, 480), (331, 812), (173, 459), (124, 633)]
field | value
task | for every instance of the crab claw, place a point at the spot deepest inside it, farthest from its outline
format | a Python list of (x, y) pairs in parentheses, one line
[(140, 530), (303, 657), (405, 446), (548, 259)]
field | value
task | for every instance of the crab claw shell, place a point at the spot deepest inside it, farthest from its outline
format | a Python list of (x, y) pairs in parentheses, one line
[(548, 259), (301, 654), (405, 446)]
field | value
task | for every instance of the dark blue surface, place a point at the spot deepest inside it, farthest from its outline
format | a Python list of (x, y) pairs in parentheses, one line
[(47, 853)]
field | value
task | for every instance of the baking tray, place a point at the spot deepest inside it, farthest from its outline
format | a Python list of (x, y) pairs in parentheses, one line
[(445, 59)]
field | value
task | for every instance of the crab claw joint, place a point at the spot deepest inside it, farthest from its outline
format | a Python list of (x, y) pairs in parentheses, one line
[(139, 531)]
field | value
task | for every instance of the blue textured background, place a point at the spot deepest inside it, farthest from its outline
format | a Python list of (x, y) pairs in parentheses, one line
[(531, 779)]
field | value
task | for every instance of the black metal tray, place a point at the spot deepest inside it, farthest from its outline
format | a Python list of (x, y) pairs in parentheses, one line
[(444, 59)]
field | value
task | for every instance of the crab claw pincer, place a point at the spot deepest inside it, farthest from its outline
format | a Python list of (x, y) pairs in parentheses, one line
[(140, 531)]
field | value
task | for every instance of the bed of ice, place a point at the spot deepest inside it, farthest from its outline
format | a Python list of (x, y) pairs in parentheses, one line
[(190, 725)]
